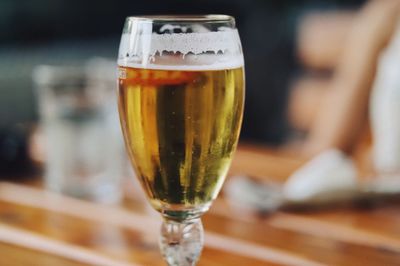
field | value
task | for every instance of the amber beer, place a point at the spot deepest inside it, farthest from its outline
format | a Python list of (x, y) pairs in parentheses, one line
[(181, 128)]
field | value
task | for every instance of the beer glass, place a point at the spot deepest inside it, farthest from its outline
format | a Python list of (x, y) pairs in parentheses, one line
[(181, 97)]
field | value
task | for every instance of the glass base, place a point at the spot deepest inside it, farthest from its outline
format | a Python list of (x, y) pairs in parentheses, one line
[(179, 212), (181, 243)]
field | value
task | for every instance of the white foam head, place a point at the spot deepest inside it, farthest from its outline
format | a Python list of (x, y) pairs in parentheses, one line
[(202, 50)]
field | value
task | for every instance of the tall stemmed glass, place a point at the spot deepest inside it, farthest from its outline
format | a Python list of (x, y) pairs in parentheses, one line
[(181, 96)]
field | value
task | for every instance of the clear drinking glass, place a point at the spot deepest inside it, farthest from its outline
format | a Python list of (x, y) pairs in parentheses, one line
[(181, 97), (84, 148)]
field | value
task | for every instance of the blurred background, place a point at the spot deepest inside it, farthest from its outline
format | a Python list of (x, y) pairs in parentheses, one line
[(287, 67), (321, 131)]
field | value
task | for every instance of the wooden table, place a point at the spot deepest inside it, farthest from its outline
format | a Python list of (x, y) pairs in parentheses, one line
[(41, 228)]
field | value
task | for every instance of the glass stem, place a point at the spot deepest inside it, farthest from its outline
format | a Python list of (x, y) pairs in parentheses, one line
[(181, 243)]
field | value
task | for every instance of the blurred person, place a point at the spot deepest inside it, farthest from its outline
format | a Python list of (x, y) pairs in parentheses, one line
[(345, 110), (359, 87)]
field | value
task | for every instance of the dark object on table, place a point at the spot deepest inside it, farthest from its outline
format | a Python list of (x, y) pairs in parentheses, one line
[(15, 162)]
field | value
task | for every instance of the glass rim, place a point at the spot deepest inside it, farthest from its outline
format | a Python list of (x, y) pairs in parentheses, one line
[(182, 18)]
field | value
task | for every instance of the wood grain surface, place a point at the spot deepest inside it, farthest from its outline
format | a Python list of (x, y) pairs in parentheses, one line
[(42, 228)]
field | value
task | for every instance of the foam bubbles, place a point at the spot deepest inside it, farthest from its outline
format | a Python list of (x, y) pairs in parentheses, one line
[(196, 43), (182, 51)]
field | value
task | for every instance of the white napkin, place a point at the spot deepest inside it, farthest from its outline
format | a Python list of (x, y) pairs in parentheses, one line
[(329, 171), (385, 185)]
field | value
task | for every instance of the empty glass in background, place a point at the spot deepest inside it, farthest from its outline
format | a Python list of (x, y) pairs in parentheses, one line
[(79, 119)]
